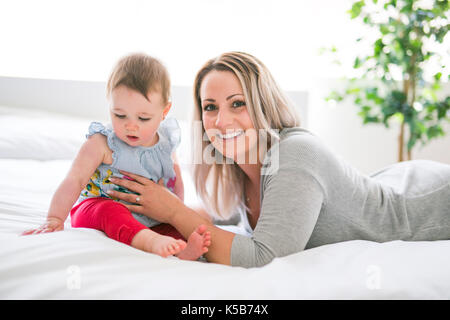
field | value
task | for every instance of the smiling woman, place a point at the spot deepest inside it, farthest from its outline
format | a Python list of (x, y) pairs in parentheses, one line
[(226, 119), (229, 103), (310, 197)]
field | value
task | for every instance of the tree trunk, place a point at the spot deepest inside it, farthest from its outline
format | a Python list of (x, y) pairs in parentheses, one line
[(401, 142)]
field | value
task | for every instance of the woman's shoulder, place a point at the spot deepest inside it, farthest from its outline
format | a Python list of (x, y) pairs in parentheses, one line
[(299, 141), (298, 148)]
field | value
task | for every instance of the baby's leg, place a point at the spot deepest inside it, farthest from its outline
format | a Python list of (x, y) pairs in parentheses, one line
[(117, 222), (106, 215), (197, 244), (153, 242)]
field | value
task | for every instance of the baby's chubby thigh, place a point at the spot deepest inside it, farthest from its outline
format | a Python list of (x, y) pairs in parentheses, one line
[(106, 215)]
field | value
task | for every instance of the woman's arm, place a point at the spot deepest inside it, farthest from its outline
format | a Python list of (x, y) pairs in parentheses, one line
[(292, 199), (159, 203), (186, 220), (289, 212)]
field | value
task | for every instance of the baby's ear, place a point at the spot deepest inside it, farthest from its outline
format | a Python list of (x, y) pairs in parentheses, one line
[(166, 109)]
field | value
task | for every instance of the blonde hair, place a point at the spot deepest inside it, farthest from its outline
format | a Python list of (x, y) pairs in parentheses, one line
[(142, 73), (269, 110)]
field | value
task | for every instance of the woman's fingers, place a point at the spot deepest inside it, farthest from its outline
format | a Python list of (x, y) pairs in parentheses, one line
[(140, 179), (130, 185), (128, 197)]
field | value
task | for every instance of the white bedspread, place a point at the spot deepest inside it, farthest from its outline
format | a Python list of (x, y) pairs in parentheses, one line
[(85, 264)]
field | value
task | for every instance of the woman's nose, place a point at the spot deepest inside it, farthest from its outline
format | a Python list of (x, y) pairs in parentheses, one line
[(224, 119)]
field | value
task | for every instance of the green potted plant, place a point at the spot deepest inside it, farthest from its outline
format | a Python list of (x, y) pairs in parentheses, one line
[(393, 79)]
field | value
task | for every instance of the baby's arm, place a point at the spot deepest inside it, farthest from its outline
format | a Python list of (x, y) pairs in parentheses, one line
[(179, 187), (89, 157)]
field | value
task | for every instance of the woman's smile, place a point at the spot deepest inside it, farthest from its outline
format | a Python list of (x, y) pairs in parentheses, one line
[(230, 134)]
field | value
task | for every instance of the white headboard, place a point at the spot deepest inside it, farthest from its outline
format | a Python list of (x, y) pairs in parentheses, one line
[(87, 98)]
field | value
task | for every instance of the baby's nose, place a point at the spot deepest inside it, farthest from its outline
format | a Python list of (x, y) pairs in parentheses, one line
[(131, 125)]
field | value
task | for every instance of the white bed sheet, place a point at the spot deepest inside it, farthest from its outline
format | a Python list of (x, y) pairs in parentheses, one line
[(85, 264)]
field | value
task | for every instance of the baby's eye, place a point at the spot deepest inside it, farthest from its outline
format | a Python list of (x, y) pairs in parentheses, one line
[(120, 116), (144, 119), (209, 107), (238, 103)]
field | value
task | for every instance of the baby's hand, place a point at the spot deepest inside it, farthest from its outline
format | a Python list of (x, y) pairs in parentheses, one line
[(52, 224)]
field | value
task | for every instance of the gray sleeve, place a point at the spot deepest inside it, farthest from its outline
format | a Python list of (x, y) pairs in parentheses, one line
[(292, 200)]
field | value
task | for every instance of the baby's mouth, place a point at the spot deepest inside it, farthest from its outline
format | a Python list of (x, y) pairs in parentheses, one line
[(132, 138)]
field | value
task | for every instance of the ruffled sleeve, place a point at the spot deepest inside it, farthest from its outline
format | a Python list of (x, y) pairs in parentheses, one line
[(113, 143), (97, 127)]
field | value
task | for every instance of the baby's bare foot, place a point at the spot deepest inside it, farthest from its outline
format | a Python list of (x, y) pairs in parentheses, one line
[(197, 244), (165, 246)]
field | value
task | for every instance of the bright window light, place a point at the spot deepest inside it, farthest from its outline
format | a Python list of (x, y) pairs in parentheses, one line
[(81, 40)]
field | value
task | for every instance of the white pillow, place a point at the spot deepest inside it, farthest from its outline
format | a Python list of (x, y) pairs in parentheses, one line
[(39, 135), (44, 135)]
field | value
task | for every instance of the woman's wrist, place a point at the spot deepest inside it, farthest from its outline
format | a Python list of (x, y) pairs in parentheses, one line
[(186, 220), (176, 212)]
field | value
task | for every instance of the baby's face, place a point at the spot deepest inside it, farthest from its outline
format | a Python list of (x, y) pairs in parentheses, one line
[(136, 119)]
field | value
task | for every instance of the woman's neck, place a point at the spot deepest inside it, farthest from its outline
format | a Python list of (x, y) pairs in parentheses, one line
[(253, 172)]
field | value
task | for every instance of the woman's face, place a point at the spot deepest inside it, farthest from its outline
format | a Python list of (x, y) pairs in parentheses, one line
[(225, 116)]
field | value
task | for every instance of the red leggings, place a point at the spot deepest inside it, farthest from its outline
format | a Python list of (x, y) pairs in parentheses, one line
[(114, 219)]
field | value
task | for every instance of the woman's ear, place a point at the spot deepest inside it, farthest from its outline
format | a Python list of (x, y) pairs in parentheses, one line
[(166, 109)]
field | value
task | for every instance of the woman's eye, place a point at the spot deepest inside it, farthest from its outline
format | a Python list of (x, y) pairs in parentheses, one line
[(209, 107), (144, 119), (238, 103), (120, 116)]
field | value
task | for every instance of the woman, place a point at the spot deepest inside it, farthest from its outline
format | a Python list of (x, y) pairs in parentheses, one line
[(297, 194)]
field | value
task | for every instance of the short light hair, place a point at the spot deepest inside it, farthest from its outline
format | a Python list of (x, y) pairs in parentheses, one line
[(140, 72), (269, 109)]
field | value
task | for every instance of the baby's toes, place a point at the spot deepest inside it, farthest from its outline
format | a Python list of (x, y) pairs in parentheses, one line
[(201, 229), (174, 248), (181, 244), (164, 252)]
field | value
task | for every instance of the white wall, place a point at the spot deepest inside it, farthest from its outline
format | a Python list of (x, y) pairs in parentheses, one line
[(367, 147)]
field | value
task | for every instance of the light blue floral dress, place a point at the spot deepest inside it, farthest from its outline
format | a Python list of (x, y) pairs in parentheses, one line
[(153, 162)]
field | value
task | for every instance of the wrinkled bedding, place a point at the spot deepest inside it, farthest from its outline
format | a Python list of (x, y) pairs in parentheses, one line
[(85, 264)]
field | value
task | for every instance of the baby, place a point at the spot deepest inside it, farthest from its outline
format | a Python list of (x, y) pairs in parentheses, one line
[(139, 140)]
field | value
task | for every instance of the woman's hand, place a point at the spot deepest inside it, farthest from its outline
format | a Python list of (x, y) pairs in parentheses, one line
[(52, 224), (154, 200), (157, 202)]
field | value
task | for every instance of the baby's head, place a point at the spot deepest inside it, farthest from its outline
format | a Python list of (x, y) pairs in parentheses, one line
[(139, 94)]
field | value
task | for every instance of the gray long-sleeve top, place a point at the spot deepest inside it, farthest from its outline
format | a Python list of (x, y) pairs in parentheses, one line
[(315, 198)]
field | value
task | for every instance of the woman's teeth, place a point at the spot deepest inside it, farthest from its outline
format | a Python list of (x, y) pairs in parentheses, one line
[(230, 135)]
